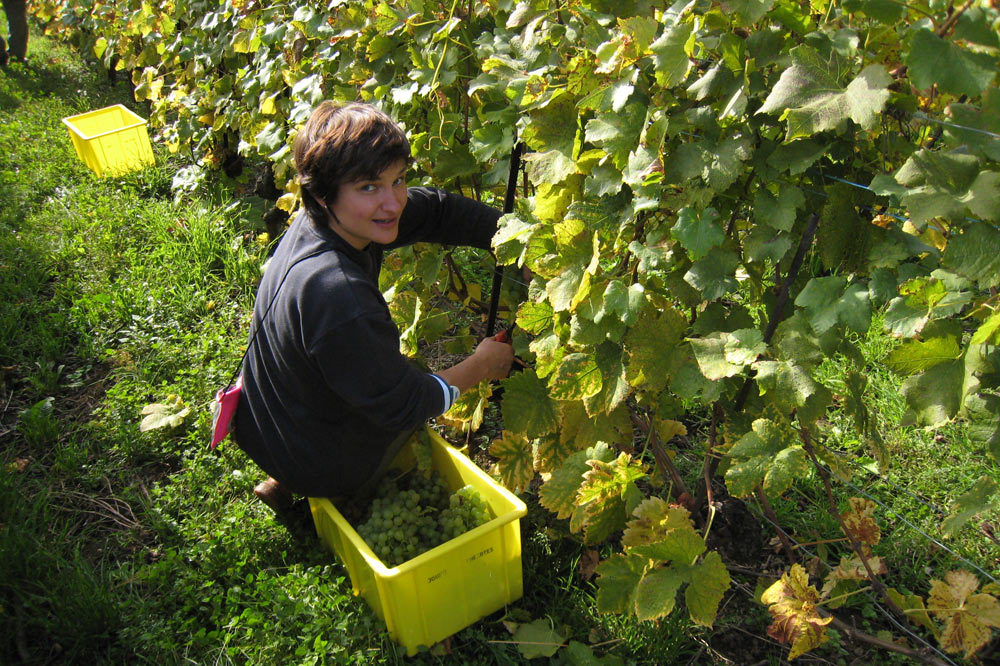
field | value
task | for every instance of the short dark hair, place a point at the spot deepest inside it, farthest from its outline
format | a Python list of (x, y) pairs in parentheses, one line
[(344, 143)]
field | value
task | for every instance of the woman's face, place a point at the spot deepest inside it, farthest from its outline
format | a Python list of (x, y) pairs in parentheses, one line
[(369, 210)]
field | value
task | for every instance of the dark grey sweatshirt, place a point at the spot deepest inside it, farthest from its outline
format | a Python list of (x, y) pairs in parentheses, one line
[(325, 388)]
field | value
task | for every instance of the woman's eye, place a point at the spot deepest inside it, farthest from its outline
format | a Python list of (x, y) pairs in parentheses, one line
[(368, 187)]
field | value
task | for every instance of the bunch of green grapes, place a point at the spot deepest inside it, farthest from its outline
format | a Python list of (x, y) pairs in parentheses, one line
[(412, 514), (466, 509)]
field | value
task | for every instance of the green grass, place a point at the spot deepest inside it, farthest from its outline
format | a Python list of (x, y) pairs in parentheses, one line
[(119, 546)]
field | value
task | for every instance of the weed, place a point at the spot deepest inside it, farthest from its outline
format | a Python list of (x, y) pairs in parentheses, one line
[(38, 425)]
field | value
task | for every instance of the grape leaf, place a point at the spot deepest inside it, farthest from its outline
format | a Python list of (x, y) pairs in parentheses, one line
[(810, 98), (681, 546), (551, 451), (909, 312), (627, 303), (915, 609), (166, 415), (559, 493), (656, 592), (578, 376), (585, 430), (951, 172), (967, 616), (764, 244), (671, 60), (511, 238), (548, 353), (653, 521), (538, 639), (527, 408), (795, 341), (983, 197), (844, 238), (617, 579), (797, 156), (609, 495), (984, 426), (983, 496), (769, 453), (467, 412), (714, 274), (831, 300), (934, 397), (792, 603), (988, 331), (654, 252), (664, 534), (851, 568), (792, 388), (932, 60), (515, 460), (938, 394), (969, 118), (974, 254), (749, 12), (649, 346), (567, 287), (778, 212), (859, 521), (723, 354), (614, 386), (945, 184), (534, 317), (698, 232), (710, 354), (617, 132), (940, 342), (551, 166), (708, 582)]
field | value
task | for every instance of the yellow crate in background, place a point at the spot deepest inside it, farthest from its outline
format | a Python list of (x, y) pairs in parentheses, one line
[(111, 140), (449, 587)]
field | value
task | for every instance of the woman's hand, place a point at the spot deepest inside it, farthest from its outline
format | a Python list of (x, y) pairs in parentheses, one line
[(495, 357), (491, 360)]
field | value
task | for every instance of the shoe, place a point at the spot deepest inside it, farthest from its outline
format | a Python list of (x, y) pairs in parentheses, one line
[(275, 495)]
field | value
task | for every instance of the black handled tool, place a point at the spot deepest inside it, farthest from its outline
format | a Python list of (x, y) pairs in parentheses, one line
[(508, 207)]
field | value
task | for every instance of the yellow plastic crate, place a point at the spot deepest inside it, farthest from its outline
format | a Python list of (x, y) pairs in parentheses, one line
[(449, 587), (111, 140)]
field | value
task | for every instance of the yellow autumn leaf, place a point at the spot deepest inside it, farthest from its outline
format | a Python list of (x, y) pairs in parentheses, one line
[(515, 460), (967, 616), (287, 201), (859, 520), (267, 107), (852, 568), (792, 603)]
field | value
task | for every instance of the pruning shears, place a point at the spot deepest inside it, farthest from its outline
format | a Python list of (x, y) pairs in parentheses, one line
[(508, 207)]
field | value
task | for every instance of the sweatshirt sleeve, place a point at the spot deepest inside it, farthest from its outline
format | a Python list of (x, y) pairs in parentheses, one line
[(436, 216), (361, 363)]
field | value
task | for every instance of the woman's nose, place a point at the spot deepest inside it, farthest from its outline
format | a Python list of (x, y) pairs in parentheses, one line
[(392, 201)]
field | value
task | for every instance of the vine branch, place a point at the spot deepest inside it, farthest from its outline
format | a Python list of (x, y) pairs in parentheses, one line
[(852, 540), (772, 518), (779, 307), (665, 464), (856, 634)]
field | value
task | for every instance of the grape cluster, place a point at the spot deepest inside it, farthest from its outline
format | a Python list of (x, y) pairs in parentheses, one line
[(414, 513)]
